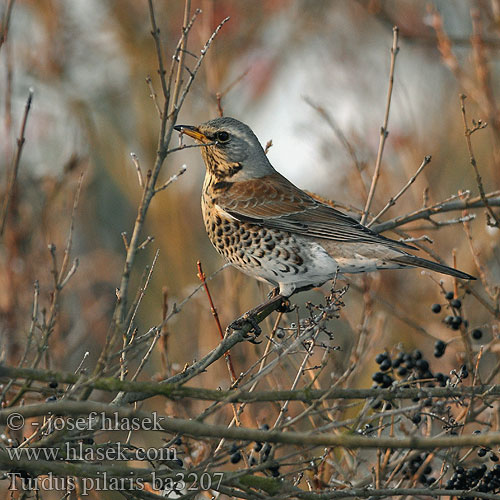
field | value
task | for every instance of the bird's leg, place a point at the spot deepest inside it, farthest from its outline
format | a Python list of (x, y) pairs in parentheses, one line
[(254, 316), (273, 293), (284, 307)]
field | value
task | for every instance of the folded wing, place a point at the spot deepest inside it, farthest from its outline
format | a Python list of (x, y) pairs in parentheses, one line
[(274, 202)]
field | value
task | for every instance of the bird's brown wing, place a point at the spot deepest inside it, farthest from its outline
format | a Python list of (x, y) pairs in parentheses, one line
[(274, 202)]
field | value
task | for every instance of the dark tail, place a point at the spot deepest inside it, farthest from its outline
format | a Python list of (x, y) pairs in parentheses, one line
[(411, 260)]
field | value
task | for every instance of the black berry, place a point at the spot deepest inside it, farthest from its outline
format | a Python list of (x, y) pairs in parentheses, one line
[(422, 365), (440, 345), (477, 334), (385, 365), (416, 419), (448, 319)]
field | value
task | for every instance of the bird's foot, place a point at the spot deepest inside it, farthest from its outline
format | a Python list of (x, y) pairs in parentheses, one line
[(247, 318), (285, 306), (251, 318)]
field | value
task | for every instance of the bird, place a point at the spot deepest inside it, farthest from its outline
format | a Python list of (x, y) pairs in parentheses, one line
[(274, 231)]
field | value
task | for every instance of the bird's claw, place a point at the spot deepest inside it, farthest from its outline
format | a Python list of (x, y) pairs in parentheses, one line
[(253, 339), (238, 324), (285, 306)]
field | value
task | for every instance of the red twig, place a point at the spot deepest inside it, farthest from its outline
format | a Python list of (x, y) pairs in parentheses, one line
[(202, 277)]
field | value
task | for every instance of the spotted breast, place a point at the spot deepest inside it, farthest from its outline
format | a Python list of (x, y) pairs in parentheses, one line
[(271, 255)]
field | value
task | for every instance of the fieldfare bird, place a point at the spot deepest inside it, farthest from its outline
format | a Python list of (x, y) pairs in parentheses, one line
[(270, 229)]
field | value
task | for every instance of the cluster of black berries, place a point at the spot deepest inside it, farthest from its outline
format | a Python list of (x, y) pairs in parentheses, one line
[(478, 478), (413, 465), (483, 451), (455, 320), (407, 366), (452, 320)]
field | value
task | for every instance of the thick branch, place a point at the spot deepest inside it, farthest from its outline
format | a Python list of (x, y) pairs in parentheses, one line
[(177, 391), (202, 429)]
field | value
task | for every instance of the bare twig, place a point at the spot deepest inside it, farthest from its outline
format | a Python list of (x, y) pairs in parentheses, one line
[(4, 29), (155, 31), (220, 110), (468, 132), (392, 201), (9, 191), (154, 96), (383, 131), (69, 241), (220, 95), (164, 334), (173, 178), (124, 238), (140, 295), (457, 202), (137, 165), (145, 243)]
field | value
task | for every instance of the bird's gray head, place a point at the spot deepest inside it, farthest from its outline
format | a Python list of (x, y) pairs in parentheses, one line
[(230, 149)]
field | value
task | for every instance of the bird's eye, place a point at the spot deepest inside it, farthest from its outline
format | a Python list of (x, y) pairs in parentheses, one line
[(222, 136)]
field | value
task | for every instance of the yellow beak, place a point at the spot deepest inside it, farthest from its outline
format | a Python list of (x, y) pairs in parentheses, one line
[(191, 132)]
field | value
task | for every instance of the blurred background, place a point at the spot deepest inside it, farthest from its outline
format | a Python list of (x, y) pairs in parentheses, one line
[(274, 63)]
